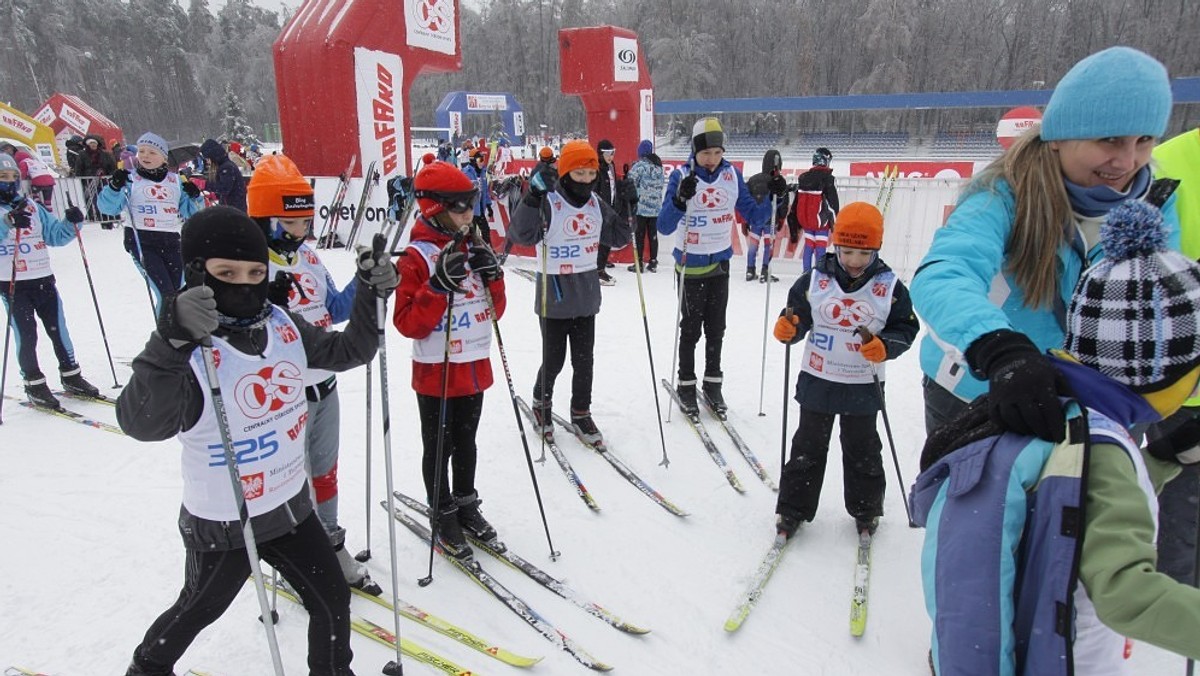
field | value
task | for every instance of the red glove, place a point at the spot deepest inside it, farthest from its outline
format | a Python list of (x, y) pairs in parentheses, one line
[(874, 350), (785, 328)]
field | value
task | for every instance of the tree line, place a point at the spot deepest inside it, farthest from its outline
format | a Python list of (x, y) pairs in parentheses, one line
[(149, 64)]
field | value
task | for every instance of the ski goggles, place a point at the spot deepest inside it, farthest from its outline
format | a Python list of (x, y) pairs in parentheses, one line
[(454, 202)]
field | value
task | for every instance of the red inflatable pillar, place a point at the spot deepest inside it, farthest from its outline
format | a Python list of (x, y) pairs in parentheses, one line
[(604, 66), (343, 69)]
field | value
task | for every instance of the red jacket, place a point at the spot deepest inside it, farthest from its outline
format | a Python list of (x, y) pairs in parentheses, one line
[(420, 308)]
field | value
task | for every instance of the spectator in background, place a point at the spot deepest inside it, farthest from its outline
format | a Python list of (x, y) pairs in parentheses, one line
[(93, 163), (41, 179), (816, 207), (74, 147), (476, 170), (615, 192), (238, 157), (647, 178), (226, 181)]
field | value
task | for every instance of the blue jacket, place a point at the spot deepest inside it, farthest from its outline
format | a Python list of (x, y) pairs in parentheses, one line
[(961, 291), (669, 215), (647, 177), (230, 185), (55, 231), (479, 178), (114, 201)]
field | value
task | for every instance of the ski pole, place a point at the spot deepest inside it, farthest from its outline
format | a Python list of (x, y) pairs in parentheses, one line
[(787, 384), (394, 667), (512, 395), (1191, 664), (679, 279), (662, 437), (12, 295), (365, 555), (440, 454), (768, 238), (95, 303), (546, 402), (140, 261), (196, 274), (865, 335)]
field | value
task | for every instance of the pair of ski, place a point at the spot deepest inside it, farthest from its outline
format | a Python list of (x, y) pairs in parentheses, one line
[(758, 583), (377, 633), (709, 445), (328, 237), (20, 671), (473, 569), (527, 274), (605, 452), (71, 415)]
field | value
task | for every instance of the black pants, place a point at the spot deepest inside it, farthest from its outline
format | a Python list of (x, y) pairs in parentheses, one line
[(941, 406), (458, 446), (1177, 517), (704, 302), (582, 333), (602, 258), (646, 231), (158, 259), (38, 297), (212, 579), (862, 466)]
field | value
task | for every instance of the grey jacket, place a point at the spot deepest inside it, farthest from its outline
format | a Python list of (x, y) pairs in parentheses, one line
[(164, 397), (570, 296)]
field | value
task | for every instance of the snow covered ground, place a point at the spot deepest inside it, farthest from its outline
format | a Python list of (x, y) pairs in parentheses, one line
[(92, 555)]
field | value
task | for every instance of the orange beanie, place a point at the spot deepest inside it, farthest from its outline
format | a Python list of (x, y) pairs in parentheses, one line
[(858, 226), (278, 189), (577, 155)]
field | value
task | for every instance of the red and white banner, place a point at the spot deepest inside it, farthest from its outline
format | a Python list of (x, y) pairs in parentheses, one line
[(74, 118), (378, 80), (916, 169)]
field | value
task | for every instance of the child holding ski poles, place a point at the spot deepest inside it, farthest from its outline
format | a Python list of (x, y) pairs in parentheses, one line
[(703, 197), (569, 219), (26, 229), (158, 201), (280, 199), (763, 232), (443, 272), (857, 314), (264, 352)]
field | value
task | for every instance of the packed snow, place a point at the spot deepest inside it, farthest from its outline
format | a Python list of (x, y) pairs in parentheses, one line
[(93, 555)]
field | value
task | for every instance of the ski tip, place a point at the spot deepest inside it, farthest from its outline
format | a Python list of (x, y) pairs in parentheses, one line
[(732, 625), (632, 629)]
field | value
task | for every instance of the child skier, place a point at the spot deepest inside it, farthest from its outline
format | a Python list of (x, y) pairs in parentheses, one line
[(1060, 537), (477, 171), (703, 196), (445, 265), (26, 228), (571, 222), (159, 202), (815, 208), (281, 200), (857, 314), (263, 355), (763, 232)]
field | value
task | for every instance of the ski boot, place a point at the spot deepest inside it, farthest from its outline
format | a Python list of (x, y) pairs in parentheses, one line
[(750, 274), (73, 382), (633, 268), (585, 428), (712, 392), (787, 525), (39, 394), (450, 535), (765, 276), (652, 266), (355, 573), (686, 391), (136, 669), (607, 279), (544, 422), (866, 523), (472, 521)]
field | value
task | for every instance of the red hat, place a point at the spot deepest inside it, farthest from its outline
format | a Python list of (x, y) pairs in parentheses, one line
[(858, 225), (439, 184)]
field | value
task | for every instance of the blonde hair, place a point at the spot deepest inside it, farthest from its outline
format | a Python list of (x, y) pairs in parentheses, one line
[(1043, 213)]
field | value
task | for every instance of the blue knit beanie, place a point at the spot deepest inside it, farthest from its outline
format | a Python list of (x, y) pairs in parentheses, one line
[(644, 148), (1116, 92), (154, 141)]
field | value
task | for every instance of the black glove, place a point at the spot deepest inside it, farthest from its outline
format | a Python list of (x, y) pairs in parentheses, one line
[(685, 191), (483, 262), (118, 179), (778, 185), (18, 216), (1179, 445), (375, 267), (189, 317), (450, 270), (74, 215), (280, 288), (541, 183), (192, 190), (1023, 387), (489, 210)]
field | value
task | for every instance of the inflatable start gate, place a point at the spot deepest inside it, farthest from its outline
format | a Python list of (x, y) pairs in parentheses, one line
[(343, 69)]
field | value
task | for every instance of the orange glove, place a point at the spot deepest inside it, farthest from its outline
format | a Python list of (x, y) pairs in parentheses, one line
[(874, 350), (785, 328)]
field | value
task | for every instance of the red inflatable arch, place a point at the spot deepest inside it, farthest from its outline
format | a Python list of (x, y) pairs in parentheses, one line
[(343, 69), (68, 115), (604, 66)]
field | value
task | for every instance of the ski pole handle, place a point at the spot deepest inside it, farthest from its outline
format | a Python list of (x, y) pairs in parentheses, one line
[(193, 276)]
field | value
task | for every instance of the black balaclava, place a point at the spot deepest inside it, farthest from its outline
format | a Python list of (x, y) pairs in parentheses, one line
[(576, 193), (225, 232)]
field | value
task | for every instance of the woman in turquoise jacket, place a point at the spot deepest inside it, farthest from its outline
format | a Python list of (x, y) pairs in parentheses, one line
[(995, 283)]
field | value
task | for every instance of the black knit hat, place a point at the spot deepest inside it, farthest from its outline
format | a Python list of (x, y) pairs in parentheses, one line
[(222, 232)]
